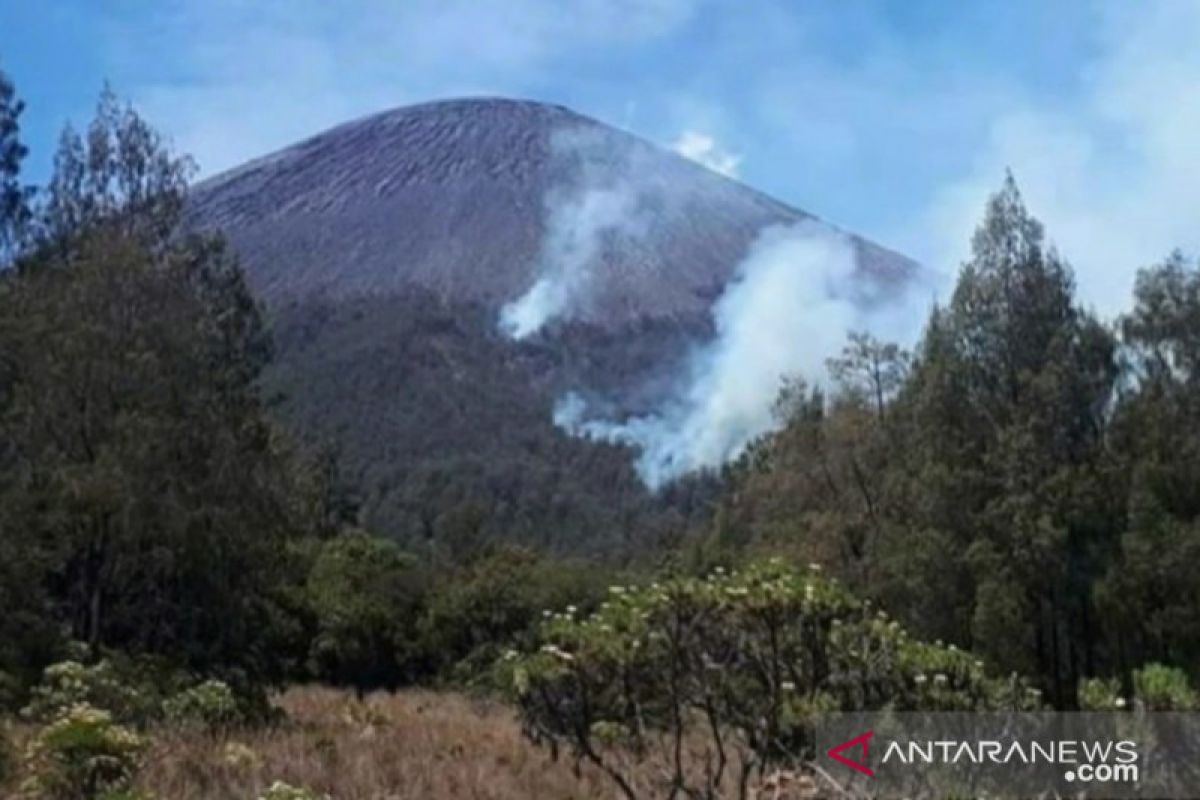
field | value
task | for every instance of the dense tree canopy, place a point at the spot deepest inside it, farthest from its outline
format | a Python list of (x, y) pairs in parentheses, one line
[(1025, 484), (143, 495), (1027, 487)]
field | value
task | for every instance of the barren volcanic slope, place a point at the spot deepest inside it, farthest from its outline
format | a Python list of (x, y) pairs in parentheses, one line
[(386, 248), (452, 196)]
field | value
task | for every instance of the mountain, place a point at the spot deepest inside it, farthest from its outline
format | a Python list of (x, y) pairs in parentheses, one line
[(451, 196), (388, 251)]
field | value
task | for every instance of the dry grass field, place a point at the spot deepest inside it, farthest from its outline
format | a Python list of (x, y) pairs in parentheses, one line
[(407, 746), (414, 745)]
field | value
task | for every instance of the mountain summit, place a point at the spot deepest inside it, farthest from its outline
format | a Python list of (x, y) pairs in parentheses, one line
[(457, 196), (456, 288)]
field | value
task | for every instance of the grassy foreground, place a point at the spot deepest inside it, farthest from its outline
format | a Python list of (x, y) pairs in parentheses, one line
[(414, 745)]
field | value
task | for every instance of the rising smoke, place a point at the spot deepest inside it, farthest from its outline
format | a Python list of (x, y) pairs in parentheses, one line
[(795, 296), (575, 231), (599, 201), (792, 301)]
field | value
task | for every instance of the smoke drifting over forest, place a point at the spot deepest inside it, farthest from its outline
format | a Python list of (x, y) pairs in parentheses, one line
[(788, 308), (795, 297)]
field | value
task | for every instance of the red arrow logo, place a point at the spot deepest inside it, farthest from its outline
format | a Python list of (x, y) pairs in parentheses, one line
[(861, 740)]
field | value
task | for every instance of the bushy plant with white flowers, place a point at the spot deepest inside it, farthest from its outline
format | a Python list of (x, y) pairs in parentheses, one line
[(743, 660), (82, 755), (71, 683), (211, 704)]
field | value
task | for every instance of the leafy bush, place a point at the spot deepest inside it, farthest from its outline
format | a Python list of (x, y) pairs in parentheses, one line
[(745, 661), (69, 684), (211, 704), (82, 755), (1100, 694), (363, 593), (1162, 688), (497, 603)]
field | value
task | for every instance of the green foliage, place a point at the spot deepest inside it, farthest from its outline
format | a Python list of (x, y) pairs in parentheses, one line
[(364, 594), (1028, 463), (744, 659), (139, 693), (1158, 687), (449, 438), (870, 371), (14, 197), (148, 505), (1100, 694), (211, 705), (496, 603), (120, 175), (1150, 592), (82, 755), (69, 684)]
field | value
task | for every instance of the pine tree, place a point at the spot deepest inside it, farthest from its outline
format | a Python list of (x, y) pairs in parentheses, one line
[(1029, 375), (139, 476), (14, 196)]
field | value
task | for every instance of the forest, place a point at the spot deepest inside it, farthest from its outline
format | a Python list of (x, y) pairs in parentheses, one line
[(1004, 517)]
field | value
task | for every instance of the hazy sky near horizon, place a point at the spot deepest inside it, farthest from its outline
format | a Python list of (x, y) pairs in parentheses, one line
[(892, 118)]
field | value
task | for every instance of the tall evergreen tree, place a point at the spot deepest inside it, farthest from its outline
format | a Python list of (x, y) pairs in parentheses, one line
[(1150, 594), (1030, 375), (15, 197), (120, 175), (139, 473)]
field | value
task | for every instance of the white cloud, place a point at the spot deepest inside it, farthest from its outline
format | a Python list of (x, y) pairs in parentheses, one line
[(703, 149)]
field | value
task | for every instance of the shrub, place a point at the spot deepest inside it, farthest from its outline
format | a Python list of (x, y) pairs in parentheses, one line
[(1100, 694), (211, 705), (745, 661), (362, 592), (1162, 688), (82, 755), (497, 603), (69, 684)]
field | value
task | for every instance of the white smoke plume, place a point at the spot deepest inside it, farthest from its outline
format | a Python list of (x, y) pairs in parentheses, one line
[(794, 298), (575, 230), (599, 201), (788, 308)]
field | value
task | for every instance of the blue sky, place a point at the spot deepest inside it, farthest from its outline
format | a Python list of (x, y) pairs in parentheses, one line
[(893, 118)]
